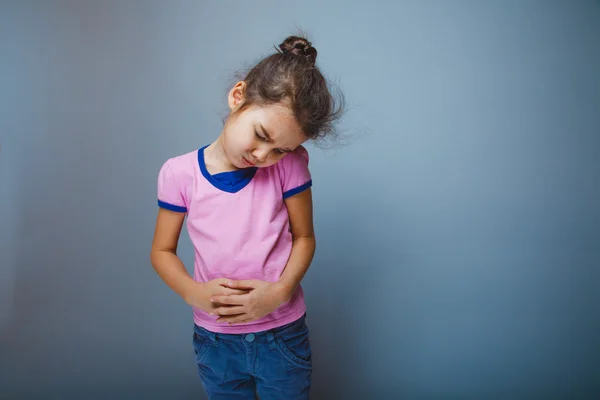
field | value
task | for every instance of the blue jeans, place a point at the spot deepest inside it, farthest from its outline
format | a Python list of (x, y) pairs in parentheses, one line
[(274, 364)]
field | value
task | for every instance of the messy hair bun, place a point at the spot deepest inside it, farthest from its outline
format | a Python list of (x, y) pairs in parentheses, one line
[(290, 76), (300, 47)]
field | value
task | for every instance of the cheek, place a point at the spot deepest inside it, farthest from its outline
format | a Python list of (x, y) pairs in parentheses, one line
[(274, 158), (238, 142), (239, 136)]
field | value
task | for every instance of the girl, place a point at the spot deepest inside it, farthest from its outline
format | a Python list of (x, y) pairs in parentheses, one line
[(247, 198)]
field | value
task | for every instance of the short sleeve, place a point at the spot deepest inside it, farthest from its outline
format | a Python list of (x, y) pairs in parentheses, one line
[(294, 172), (171, 195)]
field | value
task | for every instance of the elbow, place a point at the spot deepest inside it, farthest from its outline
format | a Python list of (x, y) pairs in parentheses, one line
[(308, 241), (313, 241), (155, 256), (158, 254)]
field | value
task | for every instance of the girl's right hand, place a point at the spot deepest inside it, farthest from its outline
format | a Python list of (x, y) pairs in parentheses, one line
[(200, 294)]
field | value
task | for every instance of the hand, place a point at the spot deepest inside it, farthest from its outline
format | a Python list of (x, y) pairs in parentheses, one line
[(200, 294), (262, 299)]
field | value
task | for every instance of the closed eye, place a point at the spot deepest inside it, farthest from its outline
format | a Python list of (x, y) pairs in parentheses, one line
[(264, 139)]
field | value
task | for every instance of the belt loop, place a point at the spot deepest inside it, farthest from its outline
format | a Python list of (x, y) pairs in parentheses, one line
[(213, 337), (271, 339)]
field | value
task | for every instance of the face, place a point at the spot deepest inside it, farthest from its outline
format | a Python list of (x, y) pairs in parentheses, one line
[(259, 136)]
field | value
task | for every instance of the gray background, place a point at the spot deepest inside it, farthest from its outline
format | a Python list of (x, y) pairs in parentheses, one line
[(458, 230)]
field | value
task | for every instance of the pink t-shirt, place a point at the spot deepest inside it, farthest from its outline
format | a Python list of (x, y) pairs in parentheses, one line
[(239, 229)]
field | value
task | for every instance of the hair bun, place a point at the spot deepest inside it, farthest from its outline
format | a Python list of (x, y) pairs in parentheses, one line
[(300, 47)]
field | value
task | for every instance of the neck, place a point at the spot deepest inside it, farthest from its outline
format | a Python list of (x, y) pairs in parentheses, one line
[(216, 159)]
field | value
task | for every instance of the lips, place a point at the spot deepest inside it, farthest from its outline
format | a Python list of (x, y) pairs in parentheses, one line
[(247, 162)]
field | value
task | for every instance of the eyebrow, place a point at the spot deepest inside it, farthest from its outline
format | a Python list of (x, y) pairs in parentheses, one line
[(266, 133)]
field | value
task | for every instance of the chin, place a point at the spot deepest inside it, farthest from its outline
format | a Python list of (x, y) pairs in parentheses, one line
[(236, 163)]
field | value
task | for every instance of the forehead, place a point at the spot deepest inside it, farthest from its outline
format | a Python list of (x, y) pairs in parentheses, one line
[(281, 125)]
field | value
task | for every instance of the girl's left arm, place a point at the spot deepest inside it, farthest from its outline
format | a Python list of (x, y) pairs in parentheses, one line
[(264, 297), (300, 210)]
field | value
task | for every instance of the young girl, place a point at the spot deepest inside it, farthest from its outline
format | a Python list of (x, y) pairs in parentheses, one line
[(247, 198)]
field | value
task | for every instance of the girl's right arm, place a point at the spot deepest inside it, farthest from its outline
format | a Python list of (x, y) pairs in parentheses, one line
[(170, 268), (163, 255)]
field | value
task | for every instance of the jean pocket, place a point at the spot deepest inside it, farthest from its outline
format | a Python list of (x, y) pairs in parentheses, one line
[(202, 345), (294, 359), (294, 345)]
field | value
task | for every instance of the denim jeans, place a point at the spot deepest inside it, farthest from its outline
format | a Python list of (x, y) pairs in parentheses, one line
[(274, 364)]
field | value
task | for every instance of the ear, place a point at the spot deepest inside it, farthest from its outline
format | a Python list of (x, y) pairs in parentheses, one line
[(236, 96)]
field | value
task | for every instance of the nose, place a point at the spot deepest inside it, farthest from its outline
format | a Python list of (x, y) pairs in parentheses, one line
[(260, 154)]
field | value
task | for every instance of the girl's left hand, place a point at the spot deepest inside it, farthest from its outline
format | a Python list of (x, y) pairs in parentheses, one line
[(263, 298)]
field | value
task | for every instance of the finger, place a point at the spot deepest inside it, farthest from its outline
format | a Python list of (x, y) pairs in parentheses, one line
[(245, 321), (228, 291), (234, 300), (235, 319), (235, 310), (229, 318), (243, 284)]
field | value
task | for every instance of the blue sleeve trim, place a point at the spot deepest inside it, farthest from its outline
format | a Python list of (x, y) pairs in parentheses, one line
[(171, 207), (297, 190)]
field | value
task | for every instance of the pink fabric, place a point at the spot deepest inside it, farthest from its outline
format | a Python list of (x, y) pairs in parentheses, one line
[(241, 235)]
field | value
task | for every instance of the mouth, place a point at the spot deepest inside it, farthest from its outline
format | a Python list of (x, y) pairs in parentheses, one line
[(248, 163)]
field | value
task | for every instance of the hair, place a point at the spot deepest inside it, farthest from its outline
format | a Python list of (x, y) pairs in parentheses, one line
[(290, 76)]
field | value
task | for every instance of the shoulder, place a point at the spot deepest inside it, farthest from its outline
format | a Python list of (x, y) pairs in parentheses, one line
[(179, 170), (182, 161), (293, 171), (300, 154), (180, 166), (175, 178), (297, 159)]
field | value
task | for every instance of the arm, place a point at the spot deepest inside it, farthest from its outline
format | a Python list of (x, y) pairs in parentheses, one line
[(170, 268), (265, 297), (300, 210), (163, 255)]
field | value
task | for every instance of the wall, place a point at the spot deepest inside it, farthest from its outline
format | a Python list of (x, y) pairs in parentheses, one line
[(458, 231)]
